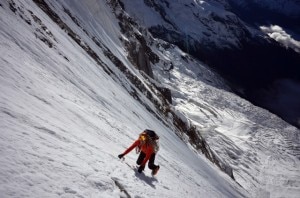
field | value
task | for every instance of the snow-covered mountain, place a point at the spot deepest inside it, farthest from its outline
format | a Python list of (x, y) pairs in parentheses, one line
[(189, 23), (255, 48), (81, 79)]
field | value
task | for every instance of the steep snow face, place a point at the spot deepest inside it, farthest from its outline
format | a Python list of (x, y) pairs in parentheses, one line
[(206, 22), (65, 117)]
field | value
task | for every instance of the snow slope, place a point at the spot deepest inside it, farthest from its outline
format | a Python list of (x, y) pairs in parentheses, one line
[(64, 120)]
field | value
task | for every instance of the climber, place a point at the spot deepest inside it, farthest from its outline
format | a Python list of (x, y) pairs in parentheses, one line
[(147, 146)]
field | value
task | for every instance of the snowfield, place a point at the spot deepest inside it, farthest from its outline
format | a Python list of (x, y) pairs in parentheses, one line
[(64, 119)]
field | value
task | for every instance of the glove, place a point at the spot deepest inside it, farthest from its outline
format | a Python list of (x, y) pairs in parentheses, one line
[(141, 168), (121, 156)]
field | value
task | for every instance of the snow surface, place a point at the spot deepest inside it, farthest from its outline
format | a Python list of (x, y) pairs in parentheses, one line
[(64, 120)]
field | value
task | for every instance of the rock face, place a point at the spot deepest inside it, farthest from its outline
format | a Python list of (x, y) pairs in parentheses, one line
[(221, 34), (143, 62)]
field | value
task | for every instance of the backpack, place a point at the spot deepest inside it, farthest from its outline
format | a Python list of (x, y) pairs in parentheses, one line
[(148, 137), (151, 134)]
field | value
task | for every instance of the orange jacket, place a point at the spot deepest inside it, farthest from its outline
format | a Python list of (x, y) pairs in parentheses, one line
[(148, 150)]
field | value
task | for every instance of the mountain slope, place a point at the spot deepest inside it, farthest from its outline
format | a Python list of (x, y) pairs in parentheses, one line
[(72, 99), (67, 112)]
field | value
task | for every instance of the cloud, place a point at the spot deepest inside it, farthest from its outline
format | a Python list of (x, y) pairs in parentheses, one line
[(278, 34)]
